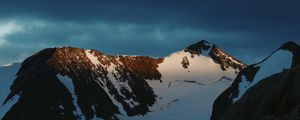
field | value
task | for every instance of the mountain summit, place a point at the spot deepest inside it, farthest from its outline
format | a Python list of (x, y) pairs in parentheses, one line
[(207, 49)]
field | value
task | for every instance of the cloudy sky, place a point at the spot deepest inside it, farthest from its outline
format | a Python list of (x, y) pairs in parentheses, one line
[(247, 30)]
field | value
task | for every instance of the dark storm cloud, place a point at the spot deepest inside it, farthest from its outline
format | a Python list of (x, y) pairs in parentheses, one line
[(248, 30), (212, 14)]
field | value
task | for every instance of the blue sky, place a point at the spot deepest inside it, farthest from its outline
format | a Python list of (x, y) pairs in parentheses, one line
[(248, 30)]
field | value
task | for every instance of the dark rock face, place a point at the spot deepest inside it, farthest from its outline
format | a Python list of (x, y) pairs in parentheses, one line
[(274, 98), (185, 62), (199, 47), (225, 100), (270, 99), (41, 93), (295, 49), (225, 60)]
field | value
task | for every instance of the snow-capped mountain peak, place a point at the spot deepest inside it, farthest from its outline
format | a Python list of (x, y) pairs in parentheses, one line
[(207, 49)]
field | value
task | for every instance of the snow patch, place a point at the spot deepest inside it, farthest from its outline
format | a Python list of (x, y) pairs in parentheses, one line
[(243, 86), (102, 83), (119, 85), (7, 65), (70, 86), (113, 79), (92, 58)]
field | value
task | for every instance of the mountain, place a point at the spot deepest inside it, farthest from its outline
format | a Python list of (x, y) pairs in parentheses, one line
[(72, 83), (268, 90)]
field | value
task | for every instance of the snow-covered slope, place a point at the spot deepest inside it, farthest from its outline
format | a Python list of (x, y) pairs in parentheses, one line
[(72, 83), (286, 57), (275, 98), (183, 101), (266, 68), (172, 69), (192, 89)]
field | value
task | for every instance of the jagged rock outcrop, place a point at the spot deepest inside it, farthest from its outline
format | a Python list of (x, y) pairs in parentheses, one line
[(225, 60)]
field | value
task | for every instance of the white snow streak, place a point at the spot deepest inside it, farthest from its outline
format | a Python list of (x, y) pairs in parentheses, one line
[(92, 58), (70, 86), (243, 86)]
